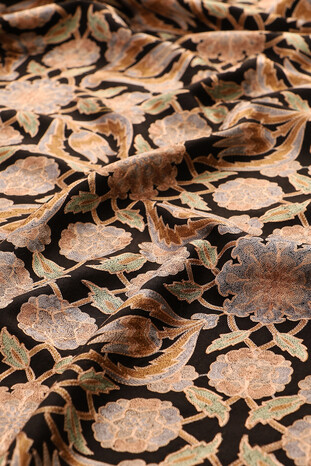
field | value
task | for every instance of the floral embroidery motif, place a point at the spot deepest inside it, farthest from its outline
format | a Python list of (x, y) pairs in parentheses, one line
[(14, 278)]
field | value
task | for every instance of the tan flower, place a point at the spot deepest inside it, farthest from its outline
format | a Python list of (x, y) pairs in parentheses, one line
[(52, 320), (137, 425), (247, 194), (282, 169), (30, 18), (177, 382), (296, 441), (72, 54), (305, 386), (14, 278), (178, 128), (127, 105), (296, 233), (9, 135), (86, 241), (29, 176), (252, 226), (34, 238), (16, 407), (250, 373)]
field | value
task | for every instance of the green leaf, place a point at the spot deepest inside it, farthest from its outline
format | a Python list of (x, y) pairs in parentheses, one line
[(193, 200), (45, 268), (297, 41), (29, 122), (216, 8), (88, 106), (110, 92), (296, 102), (206, 252), (64, 28), (292, 345), (193, 454), (102, 298), (159, 103), (284, 212), (35, 68), (98, 25), (141, 145), (227, 339), (215, 114), (126, 262), (223, 90), (185, 290), (95, 382), (301, 182), (63, 364), (131, 218), (208, 402), (209, 177), (83, 202), (276, 408), (6, 152), (15, 353), (255, 456), (73, 428)]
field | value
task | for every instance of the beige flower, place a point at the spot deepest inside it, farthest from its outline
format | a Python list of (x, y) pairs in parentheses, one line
[(282, 169), (252, 226), (247, 194), (30, 18), (9, 135), (296, 233), (305, 388), (250, 373), (72, 54), (14, 278), (127, 105), (34, 238), (16, 407), (86, 241), (29, 176), (137, 425), (296, 441), (177, 382), (55, 321), (178, 128)]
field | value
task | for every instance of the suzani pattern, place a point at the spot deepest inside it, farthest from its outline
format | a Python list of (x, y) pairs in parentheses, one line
[(155, 228)]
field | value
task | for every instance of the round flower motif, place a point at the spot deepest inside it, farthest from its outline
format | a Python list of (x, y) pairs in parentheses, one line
[(137, 425), (305, 386), (271, 281), (33, 238), (250, 373), (282, 169), (16, 407), (86, 241), (177, 382), (178, 128), (40, 96), (296, 441), (30, 18), (9, 136), (252, 226), (29, 176), (14, 278), (72, 54), (296, 233), (52, 320), (127, 105), (247, 194)]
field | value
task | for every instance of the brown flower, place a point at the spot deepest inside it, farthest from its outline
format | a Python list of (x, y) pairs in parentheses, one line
[(127, 105), (55, 321), (9, 135), (29, 176), (137, 425), (250, 373), (178, 128), (296, 441), (14, 278), (34, 238), (177, 382), (16, 407), (86, 241), (247, 194), (72, 54)]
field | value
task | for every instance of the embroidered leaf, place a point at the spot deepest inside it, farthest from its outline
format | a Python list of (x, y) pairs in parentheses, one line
[(298, 42), (301, 182), (215, 114), (206, 252), (83, 202), (210, 320), (63, 364), (102, 298), (95, 382), (276, 408), (126, 262), (44, 267), (292, 345), (208, 402), (98, 25), (284, 212), (88, 106), (110, 92), (216, 8), (6, 152), (29, 121), (223, 90), (15, 353), (255, 456), (185, 290), (227, 339), (141, 145), (35, 68), (73, 428), (64, 28), (193, 200), (131, 218), (208, 177), (193, 454), (159, 103)]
